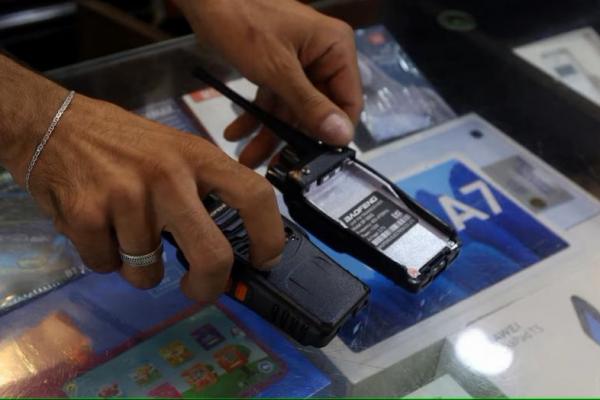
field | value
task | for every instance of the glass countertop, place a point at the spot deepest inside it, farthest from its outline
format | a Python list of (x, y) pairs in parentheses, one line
[(499, 104)]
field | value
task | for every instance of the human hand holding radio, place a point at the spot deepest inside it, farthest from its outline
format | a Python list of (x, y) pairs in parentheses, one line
[(304, 63), (112, 181)]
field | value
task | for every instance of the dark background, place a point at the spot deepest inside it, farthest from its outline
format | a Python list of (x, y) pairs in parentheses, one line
[(470, 62), (47, 34)]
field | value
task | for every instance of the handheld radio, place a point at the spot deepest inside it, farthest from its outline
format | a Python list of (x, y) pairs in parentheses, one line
[(350, 206)]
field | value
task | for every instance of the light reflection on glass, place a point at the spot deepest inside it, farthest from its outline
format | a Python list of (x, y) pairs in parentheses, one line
[(480, 354)]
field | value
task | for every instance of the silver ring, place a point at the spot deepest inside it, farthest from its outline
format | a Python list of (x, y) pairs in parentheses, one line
[(143, 260)]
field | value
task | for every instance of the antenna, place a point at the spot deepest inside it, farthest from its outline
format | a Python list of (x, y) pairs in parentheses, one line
[(294, 137)]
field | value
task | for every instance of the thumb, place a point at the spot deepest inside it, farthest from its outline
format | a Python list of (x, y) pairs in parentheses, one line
[(316, 112)]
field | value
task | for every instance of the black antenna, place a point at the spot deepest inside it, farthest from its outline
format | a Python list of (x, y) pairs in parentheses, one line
[(295, 138)]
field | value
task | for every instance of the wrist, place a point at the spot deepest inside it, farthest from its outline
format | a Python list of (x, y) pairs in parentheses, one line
[(28, 103)]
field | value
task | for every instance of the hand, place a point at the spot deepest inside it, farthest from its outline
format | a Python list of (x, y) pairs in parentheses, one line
[(303, 62), (111, 180)]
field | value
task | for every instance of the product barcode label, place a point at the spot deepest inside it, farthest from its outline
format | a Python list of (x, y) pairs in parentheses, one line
[(378, 220)]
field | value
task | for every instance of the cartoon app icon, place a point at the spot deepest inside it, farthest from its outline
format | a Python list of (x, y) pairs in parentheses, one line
[(110, 390), (166, 390), (70, 389), (266, 367), (589, 318), (200, 376), (208, 336), (237, 332), (176, 353), (232, 356), (145, 374)]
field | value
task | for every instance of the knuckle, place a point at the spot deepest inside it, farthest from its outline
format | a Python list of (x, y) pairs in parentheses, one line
[(126, 192), (86, 219), (312, 100), (223, 260), (341, 29), (279, 65), (164, 171), (259, 190), (201, 154), (219, 260)]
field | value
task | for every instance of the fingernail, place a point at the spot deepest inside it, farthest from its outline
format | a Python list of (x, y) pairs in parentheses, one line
[(271, 263), (336, 129)]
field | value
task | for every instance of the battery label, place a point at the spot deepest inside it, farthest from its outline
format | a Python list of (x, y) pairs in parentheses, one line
[(378, 220)]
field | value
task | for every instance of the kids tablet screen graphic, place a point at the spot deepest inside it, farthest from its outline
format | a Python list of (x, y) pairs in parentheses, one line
[(205, 355)]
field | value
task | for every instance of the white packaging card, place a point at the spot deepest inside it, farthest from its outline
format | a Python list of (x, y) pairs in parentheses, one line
[(572, 58)]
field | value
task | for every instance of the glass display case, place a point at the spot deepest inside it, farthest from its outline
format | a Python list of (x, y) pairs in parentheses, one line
[(485, 113)]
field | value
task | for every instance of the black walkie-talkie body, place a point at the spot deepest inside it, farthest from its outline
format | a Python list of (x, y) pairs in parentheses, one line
[(307, 295)]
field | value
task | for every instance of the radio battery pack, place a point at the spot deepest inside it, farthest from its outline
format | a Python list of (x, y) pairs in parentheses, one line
[(357, 211), (351, 207), (307, 295)]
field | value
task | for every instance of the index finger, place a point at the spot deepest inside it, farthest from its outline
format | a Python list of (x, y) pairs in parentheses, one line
[(337, 71), (206, 249), (254, 198)]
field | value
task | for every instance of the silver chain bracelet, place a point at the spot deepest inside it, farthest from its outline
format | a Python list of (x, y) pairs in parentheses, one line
[(40, 147)]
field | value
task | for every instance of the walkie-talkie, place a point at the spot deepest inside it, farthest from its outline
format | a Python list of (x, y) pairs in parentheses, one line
[(307, 295), (350, 206)]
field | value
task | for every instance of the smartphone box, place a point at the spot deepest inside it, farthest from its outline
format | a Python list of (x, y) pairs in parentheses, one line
[(522, 223), (546, 345), (572, 58)]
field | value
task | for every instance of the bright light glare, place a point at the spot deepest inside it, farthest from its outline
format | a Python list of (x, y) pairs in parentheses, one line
[(477, 352)]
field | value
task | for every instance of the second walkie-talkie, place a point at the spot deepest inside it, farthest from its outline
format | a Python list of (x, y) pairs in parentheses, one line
[(351, 207)]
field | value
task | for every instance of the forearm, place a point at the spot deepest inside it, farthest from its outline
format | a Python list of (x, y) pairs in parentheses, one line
[(28, 102), (198, 13)]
